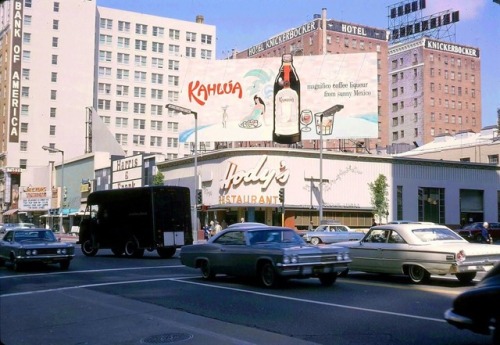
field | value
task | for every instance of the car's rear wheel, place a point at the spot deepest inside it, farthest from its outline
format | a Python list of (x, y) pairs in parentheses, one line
[(132, 249), (64, 265), (315, 241), (268, 276), (418, 274), (206, 271), (16, 265), (166, 253), (88, 248), (466, 278), (328, 279)]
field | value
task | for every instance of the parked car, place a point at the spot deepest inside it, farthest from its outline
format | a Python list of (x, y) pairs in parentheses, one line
[(7, 226), (20, 246), (271, 253), (478, 309), (419, 250), (472, 232), (332, 234)]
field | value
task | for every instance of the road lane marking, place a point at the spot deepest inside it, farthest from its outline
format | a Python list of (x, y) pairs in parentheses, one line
[(89, 271), (343, 306)]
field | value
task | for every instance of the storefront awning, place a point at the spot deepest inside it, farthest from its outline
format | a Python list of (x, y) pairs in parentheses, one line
[(10, 212)]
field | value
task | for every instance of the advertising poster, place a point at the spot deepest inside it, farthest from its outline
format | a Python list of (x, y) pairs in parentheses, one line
[(234, 99)]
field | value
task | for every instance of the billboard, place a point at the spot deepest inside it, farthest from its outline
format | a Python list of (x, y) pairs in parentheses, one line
[(234, 99)]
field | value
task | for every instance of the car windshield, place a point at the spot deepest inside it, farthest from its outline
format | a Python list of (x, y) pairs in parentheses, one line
[(41, 235), (274, 236), (436, 234)]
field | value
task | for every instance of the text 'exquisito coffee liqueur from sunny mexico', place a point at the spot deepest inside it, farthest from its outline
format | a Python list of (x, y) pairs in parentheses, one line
[(286, 122)]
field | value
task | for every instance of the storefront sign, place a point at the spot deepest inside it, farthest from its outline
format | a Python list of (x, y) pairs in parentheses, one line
[(256, 175), (127, 172), (34, 199)]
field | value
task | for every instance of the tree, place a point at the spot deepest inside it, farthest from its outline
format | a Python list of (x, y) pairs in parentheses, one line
[(158, 179), (379, 195)]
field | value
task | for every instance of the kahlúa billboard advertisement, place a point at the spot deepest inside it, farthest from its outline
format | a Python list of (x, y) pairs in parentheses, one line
[(284, 99)]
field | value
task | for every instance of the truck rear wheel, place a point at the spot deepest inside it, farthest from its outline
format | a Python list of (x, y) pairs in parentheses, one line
[(166, 253), (132, 249), (88, 248)]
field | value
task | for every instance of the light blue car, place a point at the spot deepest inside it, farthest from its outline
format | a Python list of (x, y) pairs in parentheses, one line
[(332, 234)]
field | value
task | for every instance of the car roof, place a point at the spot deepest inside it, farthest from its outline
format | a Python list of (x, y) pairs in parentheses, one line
[(245, 225), (410, 226)]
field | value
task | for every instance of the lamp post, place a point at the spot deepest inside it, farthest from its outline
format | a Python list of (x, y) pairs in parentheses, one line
[(187, 111), (321, 169), (54, 150)]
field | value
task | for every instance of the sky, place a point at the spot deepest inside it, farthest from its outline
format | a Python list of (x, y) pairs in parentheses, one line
[(242, 24)]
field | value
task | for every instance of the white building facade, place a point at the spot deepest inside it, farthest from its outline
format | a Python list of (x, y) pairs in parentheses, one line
[(238, 183)]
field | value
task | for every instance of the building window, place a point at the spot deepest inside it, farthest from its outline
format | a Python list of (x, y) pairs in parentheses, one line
[(206, 54), (53, 77), (23, 163), (190, 52), (173, 96), (140, 92), (23, 145), (155, 141), (493, 159), (141, 29), (157, 47), (465, 159), (156, 94), (123, 59), (173, 65), (25, 91), (122, 74), (140, 76), (105, 23), (27, 20), (26, 37), (24, 127), (55, 42), (158, 31), (104, 104), (141, 45), (141, 61), (26, 55), (156, 109), (173, 80), (174, 34), (190, 36), (104, 56), (52, 130), (53, 95), (394, 136), (139, 108), (122, 90), (104, 88), (121, 138), (121, 122), (156, 78), (172, 142), (25, 109), (56, 7), (123, 26), (206, 39), (173, 49), (121, 106), (123, 42), (431, 205), (139, 140), (157, 62)]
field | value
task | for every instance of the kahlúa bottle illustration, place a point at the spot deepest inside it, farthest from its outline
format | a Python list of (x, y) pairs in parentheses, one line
[(286, 123)]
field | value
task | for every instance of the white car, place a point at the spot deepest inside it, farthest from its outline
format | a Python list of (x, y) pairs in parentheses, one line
[(419, 250), (332, 233)]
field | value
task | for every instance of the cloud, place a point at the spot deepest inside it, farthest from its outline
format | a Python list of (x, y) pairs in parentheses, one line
[(469, 9)]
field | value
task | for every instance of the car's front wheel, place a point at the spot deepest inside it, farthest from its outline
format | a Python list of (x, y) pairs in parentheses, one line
[(88, 248), (328, 279), (418, 274), (315, 241), (466, 278), (268, 276), (206, 270)]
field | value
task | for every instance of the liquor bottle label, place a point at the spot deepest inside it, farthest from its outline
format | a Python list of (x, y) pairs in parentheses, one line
[(287, 111)]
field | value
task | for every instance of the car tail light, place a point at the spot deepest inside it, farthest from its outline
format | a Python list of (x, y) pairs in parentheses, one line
[(461, 256)]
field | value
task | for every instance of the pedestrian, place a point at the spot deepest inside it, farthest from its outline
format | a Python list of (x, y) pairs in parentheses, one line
[(218, 227), (485, 235), (242, 220), (310, 228), (374, 223), (223, 224), (212, 228)]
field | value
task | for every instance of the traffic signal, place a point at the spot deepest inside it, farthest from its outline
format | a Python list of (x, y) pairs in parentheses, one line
[(282, 195), (199, 197)]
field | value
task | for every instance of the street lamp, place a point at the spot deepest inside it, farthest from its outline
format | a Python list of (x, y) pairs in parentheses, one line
[(187, 111), (55, 150)]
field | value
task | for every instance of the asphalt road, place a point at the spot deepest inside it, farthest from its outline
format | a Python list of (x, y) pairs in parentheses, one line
[(109, 300)]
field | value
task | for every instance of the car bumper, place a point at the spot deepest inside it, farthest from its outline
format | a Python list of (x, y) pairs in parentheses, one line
[(47, 259), (464, 322), (310, 270)]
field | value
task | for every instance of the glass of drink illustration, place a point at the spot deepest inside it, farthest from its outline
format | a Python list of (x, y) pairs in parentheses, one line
[(324, 123), (306, 118)]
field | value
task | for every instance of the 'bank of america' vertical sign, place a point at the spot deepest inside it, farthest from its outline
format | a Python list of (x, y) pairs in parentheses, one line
[(15, 91)]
